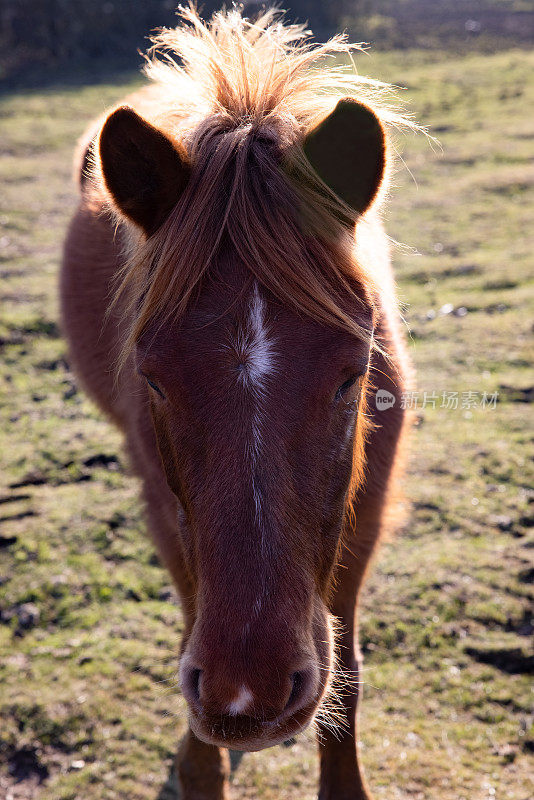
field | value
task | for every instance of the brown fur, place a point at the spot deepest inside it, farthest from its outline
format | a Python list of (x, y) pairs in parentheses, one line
[(252, 319)]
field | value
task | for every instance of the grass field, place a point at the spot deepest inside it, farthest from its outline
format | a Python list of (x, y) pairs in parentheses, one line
[(88, 622)]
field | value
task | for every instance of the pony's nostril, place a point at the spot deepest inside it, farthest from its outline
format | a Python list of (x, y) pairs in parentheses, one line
[(297, 681), (190, 683), (194, 683)]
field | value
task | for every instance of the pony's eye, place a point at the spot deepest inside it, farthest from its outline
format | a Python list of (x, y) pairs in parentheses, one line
[(154, 386), (344, 388)]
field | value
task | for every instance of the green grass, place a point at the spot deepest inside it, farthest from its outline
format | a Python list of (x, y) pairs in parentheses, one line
[(89, 627)]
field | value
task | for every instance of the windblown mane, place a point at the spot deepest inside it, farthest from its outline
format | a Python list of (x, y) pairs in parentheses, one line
[(240, 95)]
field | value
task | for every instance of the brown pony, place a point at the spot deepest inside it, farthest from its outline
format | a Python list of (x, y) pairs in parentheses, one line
[(227, 297)]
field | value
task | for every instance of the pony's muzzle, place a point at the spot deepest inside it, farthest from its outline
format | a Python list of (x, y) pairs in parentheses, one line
[(238, 713)]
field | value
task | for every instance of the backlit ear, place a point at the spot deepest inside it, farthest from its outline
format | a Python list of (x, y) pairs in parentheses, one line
[(143, 170), (347, 150)]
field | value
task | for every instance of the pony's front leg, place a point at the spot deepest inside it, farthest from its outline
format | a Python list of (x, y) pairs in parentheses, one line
[(341, 777), (203, 770)]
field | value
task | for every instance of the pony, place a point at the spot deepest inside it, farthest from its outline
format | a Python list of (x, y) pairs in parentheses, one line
[(228, 301)]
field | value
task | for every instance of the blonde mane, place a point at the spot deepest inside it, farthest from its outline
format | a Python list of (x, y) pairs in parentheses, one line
[(259, 71), (239, 95)]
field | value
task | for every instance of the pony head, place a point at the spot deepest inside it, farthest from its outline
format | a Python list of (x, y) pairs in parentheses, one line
[(249, 322)]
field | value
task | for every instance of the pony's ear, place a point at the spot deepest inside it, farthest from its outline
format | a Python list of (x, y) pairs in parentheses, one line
[(348, 152), (144, 172)]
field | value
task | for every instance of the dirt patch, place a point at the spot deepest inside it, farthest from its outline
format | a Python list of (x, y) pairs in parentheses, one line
[(102, 460), (512, 660), (516, 394), (25, 773), (64, 473)]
